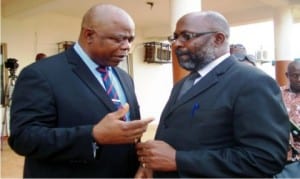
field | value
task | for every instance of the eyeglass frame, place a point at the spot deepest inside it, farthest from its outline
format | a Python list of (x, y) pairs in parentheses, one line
[(192, 35)]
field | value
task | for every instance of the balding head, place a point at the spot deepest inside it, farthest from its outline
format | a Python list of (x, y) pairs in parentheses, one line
[(207, 20), (203, 35), (293, 74), (101, 14), (107, 32), (294, 65)]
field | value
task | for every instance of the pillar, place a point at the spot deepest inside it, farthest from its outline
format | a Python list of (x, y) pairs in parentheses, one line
[(283, 23), (179, 8)]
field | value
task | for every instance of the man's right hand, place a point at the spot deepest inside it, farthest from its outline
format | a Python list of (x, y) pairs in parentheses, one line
[(112, 130)]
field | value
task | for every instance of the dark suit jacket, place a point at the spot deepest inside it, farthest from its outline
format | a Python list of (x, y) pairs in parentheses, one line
[(232, 123), (55, 104)]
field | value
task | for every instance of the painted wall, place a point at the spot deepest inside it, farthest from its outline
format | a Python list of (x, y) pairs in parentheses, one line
[(27, 37)]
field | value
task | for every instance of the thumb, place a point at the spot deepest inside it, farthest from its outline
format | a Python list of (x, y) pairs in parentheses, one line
[(122, 111)]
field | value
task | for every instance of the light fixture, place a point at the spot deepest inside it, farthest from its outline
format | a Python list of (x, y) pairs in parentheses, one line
[(151, 4)]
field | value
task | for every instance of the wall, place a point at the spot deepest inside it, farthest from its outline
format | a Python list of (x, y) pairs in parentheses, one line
[(27, 37), (153, 84)]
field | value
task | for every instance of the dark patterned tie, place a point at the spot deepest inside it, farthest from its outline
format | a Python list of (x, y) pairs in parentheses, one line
[(110, 90), (187, 84)]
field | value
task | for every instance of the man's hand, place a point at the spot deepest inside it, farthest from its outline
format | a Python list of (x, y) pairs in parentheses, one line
[(143, 173), (113, 130), (157, 155)]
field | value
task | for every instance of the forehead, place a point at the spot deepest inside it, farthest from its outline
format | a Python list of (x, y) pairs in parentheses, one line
[(191, 23), (296, 67), (118, 26)]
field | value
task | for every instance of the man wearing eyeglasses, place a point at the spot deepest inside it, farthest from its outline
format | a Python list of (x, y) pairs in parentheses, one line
[(223, 120)]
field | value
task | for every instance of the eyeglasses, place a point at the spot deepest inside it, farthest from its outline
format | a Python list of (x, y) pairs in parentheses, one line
[(186, 36)]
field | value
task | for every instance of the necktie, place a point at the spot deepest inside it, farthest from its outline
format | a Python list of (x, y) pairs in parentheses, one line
[(188, 83), (110, 90)]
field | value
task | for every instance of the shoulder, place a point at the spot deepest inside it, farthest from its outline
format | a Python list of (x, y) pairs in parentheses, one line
[(49, 65)]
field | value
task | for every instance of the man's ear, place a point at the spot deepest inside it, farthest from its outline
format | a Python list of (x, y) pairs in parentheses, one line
[(219, 38), (287, 75), (88, 35)]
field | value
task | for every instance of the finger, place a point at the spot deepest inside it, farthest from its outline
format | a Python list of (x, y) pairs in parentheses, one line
[(121, 111), (137, 133), (143, 146), (139, 123), (141, 159)]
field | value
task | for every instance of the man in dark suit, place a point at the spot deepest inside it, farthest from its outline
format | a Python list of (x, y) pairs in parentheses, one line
[(62, 118), (231, 122)]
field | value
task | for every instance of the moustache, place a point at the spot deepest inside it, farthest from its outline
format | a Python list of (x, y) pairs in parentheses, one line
[(181, 52)]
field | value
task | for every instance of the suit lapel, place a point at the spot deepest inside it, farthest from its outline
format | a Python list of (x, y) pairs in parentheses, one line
[(86, 76), (204, 84)]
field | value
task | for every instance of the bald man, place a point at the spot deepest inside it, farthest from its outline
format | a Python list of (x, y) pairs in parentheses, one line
[(81, 119), (223, 120)]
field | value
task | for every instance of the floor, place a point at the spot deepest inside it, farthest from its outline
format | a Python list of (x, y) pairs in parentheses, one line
[(12, 164)]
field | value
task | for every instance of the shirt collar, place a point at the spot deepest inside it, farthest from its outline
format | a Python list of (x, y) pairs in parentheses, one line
[(204, 71), (86, 59)]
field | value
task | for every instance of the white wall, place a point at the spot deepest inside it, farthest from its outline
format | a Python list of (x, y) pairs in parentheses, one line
[(27, 37), (153, 84)]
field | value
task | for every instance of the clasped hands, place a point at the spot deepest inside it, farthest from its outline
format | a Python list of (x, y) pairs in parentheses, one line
[(155, 155)]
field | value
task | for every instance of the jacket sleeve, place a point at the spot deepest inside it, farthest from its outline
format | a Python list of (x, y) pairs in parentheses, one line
[(33, 124), (261, 132)]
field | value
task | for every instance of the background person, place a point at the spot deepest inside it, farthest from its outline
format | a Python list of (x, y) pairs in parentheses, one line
[(62, 119), (40, 56), (240, 52), (231, 122), (291, 97)]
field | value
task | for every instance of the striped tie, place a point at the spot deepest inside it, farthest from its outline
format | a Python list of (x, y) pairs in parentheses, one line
[(110, 90)]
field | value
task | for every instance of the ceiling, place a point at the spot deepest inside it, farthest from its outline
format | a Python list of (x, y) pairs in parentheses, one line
[(236, 11)]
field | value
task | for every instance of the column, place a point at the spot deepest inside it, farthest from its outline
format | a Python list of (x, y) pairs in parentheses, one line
[(283, 23), (179, 8)]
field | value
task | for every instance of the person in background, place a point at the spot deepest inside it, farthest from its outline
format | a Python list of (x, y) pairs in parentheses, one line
[(40, 56), (225, 119), (291, 97), (240, 52), (75, 114)]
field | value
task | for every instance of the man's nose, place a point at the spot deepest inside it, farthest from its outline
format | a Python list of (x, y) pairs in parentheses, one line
[(177, 43), (126, 44)]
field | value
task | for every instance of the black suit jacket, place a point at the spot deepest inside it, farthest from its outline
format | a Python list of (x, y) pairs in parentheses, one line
[(232, 123), (55, 104)]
